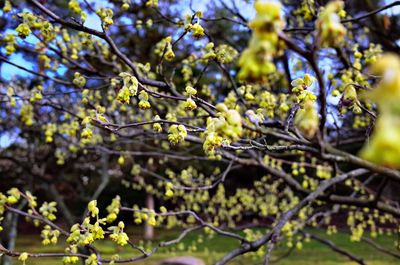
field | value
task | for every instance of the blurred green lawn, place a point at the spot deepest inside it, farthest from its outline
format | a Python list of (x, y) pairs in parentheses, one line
[(212, 249)]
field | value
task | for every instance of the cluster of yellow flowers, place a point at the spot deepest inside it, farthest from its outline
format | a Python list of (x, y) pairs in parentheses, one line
[(139, 24), (225, 53), (323, 172), (92, 260), (152, 3), (49, 130), (36, 94), (304, 12), (225, 128), (164, 48), (60, 155), (27, 114), (350, 99), (92, 232), (23, 30), (106, 15), (113, 209), (288, 230), (168, 189), (372, 53), (49, 235), (197, 30), (350, 80), (70, 259), (10, 94), (118, 235), (79, 80), (11, 41), (306, 119), (13, 197), (331, 32), (48, 210), (129, 88), (222, 53), (256, 61), (146, 215), (44, 61), (190, 104), (384, 147), (75, 7), (31, 21), (23, 257), (7, 6), (300, 89), (144, 100), (157, 126), (177, 133), (208, 53), (87, 133)]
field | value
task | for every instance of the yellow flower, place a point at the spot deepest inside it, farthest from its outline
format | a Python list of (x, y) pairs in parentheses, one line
[(335, 93), (121, 160), (169, 193), (92, 207), (92, 260), (306, 119), (268, 16), (387, 92), (157, 126), (124, 95), (152, 3), (7, 6), (177, 134), (106, 16), (190, 104), (384, 147), (79, 80), (331, 32), (74, 6), (144, 100), (191, 91), (144, 105), (152, 221), (198, 30), (169, 55), (87, 133), (23, 30), (125, 6), (23, 257)]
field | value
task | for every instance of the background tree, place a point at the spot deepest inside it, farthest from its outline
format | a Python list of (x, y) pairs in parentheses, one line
[(224, 119)]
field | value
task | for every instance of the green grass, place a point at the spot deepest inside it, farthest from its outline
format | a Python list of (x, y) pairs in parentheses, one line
[(212, 249)]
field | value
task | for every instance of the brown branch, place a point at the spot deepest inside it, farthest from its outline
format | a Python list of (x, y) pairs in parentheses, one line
[(337, 249), (274, 234), (3, 59), (380, 248), (103, 36), (341, 156), (369, 14)]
